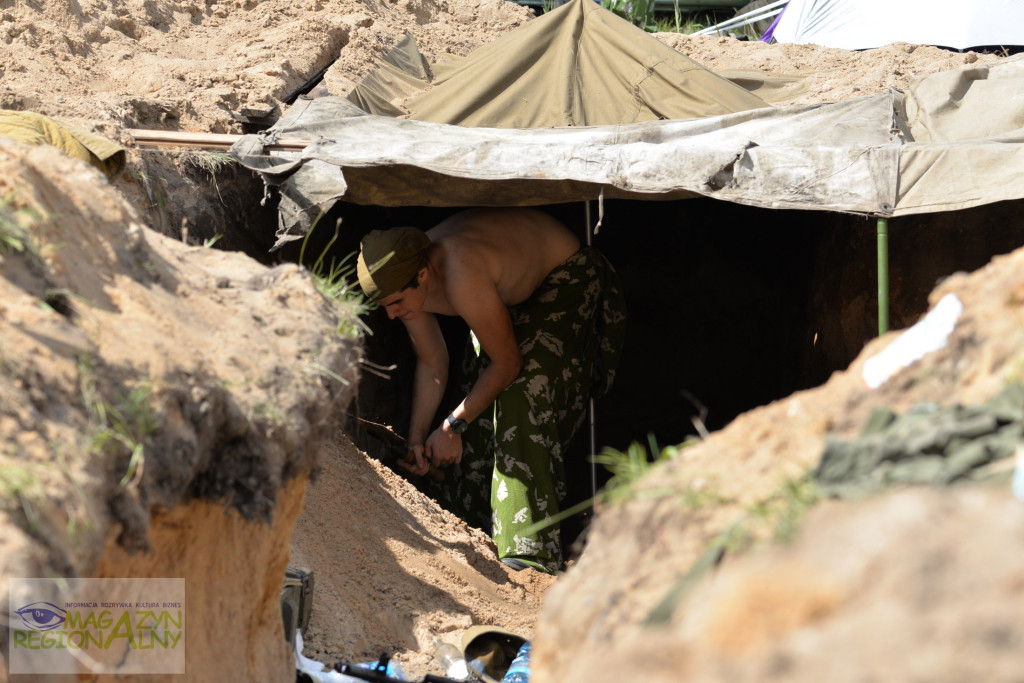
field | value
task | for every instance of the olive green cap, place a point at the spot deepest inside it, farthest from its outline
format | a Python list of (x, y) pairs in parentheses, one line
[(388, 260)]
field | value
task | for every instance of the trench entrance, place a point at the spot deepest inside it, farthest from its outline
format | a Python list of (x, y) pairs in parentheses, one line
[(729, 307)]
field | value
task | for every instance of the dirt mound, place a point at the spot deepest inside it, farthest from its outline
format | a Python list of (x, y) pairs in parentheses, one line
[(914, 585), (822, 74), (189, 65), (744, 481), (153, 399)]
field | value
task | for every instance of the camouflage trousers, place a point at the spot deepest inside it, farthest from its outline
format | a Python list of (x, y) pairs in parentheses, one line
[(512, 475)]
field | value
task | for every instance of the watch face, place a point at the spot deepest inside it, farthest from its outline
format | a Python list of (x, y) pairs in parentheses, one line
[(458, 426)]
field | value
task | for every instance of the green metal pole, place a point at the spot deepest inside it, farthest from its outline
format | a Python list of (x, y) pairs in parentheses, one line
[(883, 276)]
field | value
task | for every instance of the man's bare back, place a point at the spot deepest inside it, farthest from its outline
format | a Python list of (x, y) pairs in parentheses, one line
[(515, 248)]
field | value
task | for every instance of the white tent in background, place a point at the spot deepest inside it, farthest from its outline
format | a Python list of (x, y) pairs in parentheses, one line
[(865, 24)]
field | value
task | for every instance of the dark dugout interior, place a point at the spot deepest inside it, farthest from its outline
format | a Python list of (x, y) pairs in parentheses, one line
[(730, 307)]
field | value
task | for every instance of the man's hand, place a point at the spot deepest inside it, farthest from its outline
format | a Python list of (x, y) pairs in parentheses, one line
[(417, 464), (444, 447)]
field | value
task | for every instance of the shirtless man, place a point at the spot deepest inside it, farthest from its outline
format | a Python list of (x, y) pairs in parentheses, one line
[(488, 267)]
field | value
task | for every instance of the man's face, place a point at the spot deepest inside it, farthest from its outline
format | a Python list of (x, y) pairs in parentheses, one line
[(403, 304)]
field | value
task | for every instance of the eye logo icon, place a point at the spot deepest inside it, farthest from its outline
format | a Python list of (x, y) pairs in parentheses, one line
[(41, 616)]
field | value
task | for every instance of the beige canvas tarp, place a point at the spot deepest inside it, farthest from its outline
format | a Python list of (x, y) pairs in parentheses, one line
[(965, 139), (578, 65), (953, 140)]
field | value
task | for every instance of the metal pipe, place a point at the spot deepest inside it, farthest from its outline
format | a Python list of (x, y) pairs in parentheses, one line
[(761, 13), (593, 419), (883, 276), (724, 26)]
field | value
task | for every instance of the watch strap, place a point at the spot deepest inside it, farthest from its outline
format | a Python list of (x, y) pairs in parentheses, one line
[(458, 425)]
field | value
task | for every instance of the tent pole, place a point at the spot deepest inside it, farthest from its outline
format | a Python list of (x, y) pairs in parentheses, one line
[(593, 421), (883, 276)]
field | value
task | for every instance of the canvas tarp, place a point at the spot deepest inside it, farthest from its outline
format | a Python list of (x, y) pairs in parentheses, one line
[(39, 129), (578, 65), (864, 24), (954, 140)]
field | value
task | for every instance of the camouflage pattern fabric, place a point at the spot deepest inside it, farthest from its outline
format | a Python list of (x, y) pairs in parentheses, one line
[(512, 474)]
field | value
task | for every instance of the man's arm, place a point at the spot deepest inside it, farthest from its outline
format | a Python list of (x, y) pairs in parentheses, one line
[(429, 381), (487, 316), (474, 297)]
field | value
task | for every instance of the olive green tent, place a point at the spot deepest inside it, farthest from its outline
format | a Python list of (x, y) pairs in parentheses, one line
[(579, 65), (38, 129)]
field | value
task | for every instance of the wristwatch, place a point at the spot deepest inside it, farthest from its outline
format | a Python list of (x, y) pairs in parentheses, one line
[(458, 426)]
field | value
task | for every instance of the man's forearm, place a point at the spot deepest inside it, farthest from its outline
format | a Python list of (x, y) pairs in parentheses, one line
[(429, 384), (491, 382)]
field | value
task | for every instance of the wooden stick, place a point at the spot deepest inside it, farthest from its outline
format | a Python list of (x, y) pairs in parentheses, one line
[(167, 138)]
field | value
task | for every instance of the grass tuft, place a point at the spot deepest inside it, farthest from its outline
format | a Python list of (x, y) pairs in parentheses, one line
[(629, 467), (210, 163), (16, 225), (120, 428), (338, 282), (23, 487)]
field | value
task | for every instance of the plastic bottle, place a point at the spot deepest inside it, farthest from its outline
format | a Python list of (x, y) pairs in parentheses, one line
[(519, 669), (451, 660), (392, 669)]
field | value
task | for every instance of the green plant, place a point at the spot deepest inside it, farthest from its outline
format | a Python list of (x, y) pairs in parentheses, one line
[(80, 521), (121, 429), (637, 12), (19, 483), (269, 412), (785, 508), (324, 370), (673, 24), (337, 282), (781, 512), (627, 469), (705, 562), (16, 224), (152, 193), (210, 163), (696, 21), (666, 25)]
